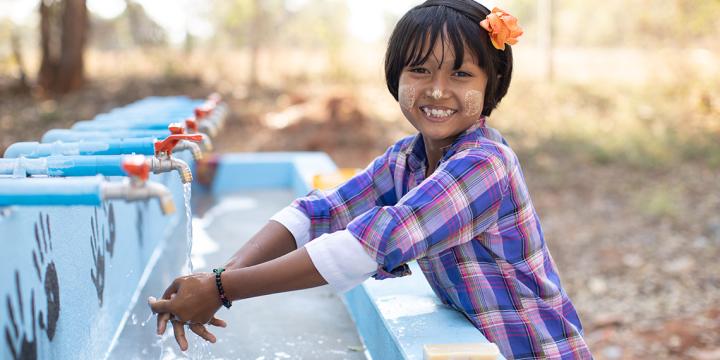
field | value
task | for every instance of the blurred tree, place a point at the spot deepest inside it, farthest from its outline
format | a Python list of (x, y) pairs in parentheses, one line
[(252, 24), (545, 31), (63, 33), (23, 84), (255, 33), (319, 25), (132, 28), (144, 30)]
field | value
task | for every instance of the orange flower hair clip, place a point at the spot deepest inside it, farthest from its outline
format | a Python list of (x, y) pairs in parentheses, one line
[(503, 28)]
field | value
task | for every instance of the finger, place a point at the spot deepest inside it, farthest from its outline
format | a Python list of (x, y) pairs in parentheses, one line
[(179, 330), (203, 332), (162, 320), (218, 322), (159, 306), (170, 289)]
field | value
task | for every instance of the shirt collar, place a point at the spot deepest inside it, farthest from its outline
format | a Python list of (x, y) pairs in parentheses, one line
[(416, 155)]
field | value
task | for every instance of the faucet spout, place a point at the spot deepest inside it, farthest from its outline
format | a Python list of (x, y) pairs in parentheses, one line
[(193, 147), (163, 164), (206, 143), (208, 128), (133, 190)]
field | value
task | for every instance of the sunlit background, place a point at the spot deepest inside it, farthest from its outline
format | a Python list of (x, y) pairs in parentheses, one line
[(614, 112)]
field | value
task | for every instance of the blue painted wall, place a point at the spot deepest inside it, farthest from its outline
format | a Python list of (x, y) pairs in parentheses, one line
[(78, 268), (70, 274)]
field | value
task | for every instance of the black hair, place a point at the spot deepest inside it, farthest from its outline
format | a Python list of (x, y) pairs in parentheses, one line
[(456, 21)]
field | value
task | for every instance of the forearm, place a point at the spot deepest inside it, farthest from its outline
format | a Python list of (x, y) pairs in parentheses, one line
[(292, 271), (271, 242)]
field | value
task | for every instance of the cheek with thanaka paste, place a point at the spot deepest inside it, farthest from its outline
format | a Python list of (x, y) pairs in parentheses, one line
[(406, 97), (474, 101)]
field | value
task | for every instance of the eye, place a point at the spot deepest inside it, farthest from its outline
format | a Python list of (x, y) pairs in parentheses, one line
[(462, 74), (419, 70)]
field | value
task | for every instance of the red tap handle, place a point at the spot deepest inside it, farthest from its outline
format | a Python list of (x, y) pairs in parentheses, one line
[(191, 125), (136, 166), (176, 128), (168, 144), (203, 110)]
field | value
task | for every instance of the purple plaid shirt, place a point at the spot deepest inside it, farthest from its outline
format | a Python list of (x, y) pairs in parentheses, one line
[(473, 230)]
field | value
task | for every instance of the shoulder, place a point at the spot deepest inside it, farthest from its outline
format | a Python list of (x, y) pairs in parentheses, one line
[(488, 147), (405, 144), (401, 147)]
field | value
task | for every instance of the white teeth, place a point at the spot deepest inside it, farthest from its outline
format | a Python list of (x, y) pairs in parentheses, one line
[(437, 112)]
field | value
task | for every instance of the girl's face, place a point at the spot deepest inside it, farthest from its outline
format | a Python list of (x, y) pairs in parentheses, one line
[(439, 101)]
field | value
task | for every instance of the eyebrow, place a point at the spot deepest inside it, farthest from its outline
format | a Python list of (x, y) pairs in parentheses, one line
[(434, 60)]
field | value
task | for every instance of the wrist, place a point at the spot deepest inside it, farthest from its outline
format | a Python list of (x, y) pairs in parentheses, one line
[(234, 264), (222, 296)]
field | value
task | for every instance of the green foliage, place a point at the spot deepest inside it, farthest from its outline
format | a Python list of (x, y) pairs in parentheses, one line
[(658, 202), (651, 126), (625, 23)]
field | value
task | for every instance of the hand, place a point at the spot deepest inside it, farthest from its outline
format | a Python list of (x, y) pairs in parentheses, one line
[(192, 300)]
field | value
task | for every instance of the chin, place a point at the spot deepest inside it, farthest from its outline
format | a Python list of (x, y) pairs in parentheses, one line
[(435, 134)]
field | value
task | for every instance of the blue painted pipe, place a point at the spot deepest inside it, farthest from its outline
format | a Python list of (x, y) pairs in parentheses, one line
[(32, 150), (51, 191), (66, 135), (136, 124), (108, 165), (150, 112)]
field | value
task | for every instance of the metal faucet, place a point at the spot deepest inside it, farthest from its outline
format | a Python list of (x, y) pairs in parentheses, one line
[(203, 129), (194, 149), (137, 186), (163, 160), (167, 163), (131, 190), (211, 114)]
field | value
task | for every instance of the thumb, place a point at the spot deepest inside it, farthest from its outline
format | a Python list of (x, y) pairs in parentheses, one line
[(160, 306)]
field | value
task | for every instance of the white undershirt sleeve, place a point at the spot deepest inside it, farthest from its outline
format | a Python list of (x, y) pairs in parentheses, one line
[(296, 222), (341, 260)]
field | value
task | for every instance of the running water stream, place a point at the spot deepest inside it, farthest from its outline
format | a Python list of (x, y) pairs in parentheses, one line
[(187, 192), (198, 348)]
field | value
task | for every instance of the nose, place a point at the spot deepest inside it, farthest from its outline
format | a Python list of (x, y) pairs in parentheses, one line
[(437, 88)]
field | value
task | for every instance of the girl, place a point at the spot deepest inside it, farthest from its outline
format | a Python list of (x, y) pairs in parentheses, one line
[(452, 197)]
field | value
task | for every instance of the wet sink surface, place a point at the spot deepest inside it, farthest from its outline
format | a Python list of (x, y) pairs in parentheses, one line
[(307, 324)]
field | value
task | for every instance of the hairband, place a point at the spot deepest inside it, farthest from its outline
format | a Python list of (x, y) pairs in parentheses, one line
[(502, 27)]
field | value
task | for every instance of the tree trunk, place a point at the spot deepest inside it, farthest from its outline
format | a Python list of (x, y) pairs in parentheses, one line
[(255, 33), (63, 33), (546, 34), (23, 84)]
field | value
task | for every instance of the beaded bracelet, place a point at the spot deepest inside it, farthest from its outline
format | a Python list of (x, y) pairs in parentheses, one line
[(227, 303)]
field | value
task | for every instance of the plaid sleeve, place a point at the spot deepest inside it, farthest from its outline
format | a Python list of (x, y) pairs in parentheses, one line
[(458, 201), (332, 210)]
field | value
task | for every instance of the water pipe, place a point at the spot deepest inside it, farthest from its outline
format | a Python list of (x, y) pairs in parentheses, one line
[(67, 135), (93, 125), (124, 135), (149, 110), (80, 191), (70, 166), (192, 125), (140, 146)]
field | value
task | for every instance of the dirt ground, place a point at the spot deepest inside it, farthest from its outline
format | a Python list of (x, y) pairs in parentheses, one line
[(637, 248)]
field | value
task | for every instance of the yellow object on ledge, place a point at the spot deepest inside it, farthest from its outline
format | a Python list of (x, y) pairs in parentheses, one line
[(331, 180), (475, 351)]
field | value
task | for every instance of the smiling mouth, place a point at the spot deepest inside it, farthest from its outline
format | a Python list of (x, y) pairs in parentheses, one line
[(437, 112)]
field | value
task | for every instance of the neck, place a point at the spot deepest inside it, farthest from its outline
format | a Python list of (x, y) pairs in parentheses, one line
[(434, 152)]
